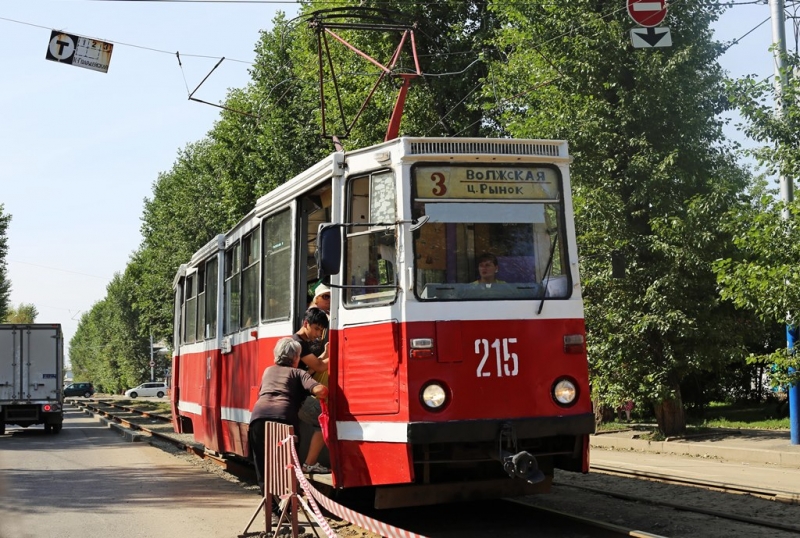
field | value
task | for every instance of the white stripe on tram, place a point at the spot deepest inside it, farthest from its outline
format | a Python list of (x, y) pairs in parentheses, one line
[(386, 432), (190, 407), (235, 414)]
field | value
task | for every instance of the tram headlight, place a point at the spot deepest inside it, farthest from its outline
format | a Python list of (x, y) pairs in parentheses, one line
[(433, 396), (565, 392)]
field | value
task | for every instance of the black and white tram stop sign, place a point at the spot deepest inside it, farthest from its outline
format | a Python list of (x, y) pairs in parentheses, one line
[(62, 47), (79, 51)]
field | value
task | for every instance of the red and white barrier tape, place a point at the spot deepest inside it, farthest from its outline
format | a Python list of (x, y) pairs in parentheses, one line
[(307, 487), (361, 520)]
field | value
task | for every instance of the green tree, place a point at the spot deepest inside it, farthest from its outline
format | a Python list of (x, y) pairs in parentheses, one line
[(652, 178), (762, 275), (5, 283), (24, 313), (108, 347)]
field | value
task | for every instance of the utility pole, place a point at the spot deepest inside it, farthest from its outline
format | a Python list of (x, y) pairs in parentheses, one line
[(777, 11), (152, 360)]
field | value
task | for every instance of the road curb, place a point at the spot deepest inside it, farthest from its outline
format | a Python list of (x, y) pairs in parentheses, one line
[(701, 450)]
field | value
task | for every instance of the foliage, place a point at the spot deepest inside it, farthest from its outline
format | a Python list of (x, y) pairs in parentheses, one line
[(24, 313), (778, 128), (762, 275), (5, 283), (651, 178), (108, 347)]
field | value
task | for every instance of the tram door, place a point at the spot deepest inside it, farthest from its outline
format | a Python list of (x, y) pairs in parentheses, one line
[(313, 209)]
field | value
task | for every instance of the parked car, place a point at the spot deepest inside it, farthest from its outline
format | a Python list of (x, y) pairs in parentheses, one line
[(79, 389), (157, 388)]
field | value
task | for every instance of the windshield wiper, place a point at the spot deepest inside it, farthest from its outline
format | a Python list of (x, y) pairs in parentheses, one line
[(546, 276)]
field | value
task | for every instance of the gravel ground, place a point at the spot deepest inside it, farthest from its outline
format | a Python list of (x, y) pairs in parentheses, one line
[(644, 516)]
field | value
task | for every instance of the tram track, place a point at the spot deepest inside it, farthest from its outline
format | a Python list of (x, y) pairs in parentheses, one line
[(154, 424), (771, 495), (777, 496), (135, 419)]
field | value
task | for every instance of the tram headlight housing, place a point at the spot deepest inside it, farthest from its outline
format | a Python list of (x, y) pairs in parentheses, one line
[(434, 396), (565, 392)]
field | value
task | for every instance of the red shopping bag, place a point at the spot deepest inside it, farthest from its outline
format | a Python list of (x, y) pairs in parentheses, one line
[(323, 419)]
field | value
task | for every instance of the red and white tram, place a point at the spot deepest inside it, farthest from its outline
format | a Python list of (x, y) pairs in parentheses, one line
[(440, 388)]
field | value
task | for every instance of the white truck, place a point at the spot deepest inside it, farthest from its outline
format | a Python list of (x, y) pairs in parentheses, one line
[(31, 375)]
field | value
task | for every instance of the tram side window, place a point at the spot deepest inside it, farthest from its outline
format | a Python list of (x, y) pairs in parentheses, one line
[(201, 302), (250, 259), (212, 271), (190, 310), (371, 250), (232, 288), (277, 266)]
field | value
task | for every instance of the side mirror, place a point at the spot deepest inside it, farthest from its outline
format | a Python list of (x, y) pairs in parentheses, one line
[(329, 250), (617, 264)]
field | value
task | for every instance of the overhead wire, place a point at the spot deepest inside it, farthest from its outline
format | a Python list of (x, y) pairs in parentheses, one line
[(610, 14), (441, 54)]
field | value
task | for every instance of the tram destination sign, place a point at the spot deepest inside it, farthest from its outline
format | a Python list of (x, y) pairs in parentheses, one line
[(79, 51), (443, 182)]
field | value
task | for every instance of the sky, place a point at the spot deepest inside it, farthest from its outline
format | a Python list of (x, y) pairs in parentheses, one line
[(80, 149)]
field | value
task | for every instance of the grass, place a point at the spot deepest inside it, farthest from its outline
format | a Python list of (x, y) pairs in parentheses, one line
[(742, 416), (762, 416), (150, 406)]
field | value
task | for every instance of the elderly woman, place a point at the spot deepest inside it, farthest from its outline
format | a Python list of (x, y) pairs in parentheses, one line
[(283, 389)]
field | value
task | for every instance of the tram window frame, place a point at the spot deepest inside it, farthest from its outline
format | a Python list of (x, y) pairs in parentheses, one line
[(369, 203), (201, 303), (190, 310), (212, 285), (427, 197), (250, 284), (277, 235), (232, 297)]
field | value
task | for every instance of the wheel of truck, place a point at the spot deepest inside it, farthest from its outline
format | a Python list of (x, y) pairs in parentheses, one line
[(57, 427), (87, 394), (134, 394), (48, 428), (160, 394)]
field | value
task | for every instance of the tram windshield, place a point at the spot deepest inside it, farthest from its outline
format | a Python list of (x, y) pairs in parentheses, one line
[(493, 233)]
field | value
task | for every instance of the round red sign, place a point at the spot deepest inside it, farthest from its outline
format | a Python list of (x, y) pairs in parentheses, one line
[(647, 12)]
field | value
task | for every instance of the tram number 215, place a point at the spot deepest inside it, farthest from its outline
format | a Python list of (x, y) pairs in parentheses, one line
[(506, 361)]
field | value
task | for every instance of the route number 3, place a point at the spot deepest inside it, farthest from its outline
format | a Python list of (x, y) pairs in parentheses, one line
[(506, 361), (438, 179)]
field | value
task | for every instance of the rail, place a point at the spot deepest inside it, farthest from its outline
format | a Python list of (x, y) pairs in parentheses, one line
[(131, 417), (782, 496)]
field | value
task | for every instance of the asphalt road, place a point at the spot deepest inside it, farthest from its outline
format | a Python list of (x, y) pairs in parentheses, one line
[(88, 482)]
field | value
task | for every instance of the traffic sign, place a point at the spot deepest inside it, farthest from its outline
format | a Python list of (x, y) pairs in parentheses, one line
[(647, 12), (651, 37), (79, 51)]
